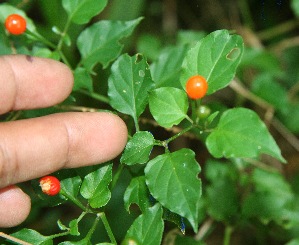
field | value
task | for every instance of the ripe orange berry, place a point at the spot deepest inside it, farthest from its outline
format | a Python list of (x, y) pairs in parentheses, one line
[(196, 87), (50, 185), (15, 24)]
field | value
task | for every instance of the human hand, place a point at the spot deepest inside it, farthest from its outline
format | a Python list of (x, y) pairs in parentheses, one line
[(36, 147)]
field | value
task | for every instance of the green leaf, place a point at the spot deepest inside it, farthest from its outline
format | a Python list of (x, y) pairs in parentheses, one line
[(148, 227), (214, 57), (168, 106), (165, 71), (33, 237), (137, 192), (294, 241), (81, 12), (222, 200), (74, 230), (270, 199), (71, 186), (189, 37), (129, 84), (95, 186), (295, 7), (100, 43), (241, 133), (266, 87), (138, 148), (82, 79), (172, 180)]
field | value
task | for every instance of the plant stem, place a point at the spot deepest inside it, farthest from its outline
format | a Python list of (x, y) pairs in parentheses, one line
[(117, 175), (227, 235), (41, 38), (92, 229), (94, 95), (59, 235), (67, 25), (74, 200), (107, 227), (178, 134)]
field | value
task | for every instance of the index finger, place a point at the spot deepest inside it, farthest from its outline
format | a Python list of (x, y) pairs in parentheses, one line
[(28, 82)]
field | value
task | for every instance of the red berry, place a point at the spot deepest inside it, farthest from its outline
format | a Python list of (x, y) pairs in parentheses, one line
[(196, 87), (15, 24), (50, 185)]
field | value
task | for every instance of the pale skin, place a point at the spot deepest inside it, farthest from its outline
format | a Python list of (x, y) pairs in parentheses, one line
[(37, 147)]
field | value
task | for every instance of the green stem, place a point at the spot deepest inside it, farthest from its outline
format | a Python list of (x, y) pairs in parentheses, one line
[(74, 200), (41, 38), (60, 42), (117, 175), (94, 96), (178, 134), (107, 227), (59, 235), (227, 235), (92, 229)]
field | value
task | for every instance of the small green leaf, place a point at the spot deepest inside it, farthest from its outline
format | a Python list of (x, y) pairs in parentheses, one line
[(71, 186), (129, 84), (138, 148), (81, 12), (172, 180), (168, 105), (99, 43), (74, 230), (165, 71), (33, 237), (95, 186), (137, 192), (148, 227), (241, 133), (214, 57), (82, 79)]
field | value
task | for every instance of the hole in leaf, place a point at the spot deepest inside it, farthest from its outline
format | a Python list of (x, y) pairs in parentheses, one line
[(233, 54)]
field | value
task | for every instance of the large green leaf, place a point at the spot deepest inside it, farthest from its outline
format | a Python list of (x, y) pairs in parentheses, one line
[(137, 192), (33, 237), (100, 43), (295, 7), (138, 148), (172, 180), (165, 71), (81, 12), (241, 133), (148, 227), (168, 105), (129, 83), (95, 186), (214, 57), (270, 199), (266, 87), (222, 199)]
